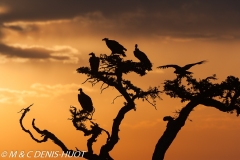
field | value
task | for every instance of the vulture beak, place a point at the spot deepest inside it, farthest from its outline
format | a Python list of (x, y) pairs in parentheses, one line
[(104, 39), (91, 53)]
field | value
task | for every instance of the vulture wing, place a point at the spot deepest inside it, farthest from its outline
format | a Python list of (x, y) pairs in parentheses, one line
[(118, 45), (167, 66), (96, 63), (188, 66), (143, 58), (140, 55), (91, 61), (115, 47), (81, 101)]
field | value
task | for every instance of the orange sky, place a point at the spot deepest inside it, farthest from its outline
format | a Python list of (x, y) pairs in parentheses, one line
[(43, 43)]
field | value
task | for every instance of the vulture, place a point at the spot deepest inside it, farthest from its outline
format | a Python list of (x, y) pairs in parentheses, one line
[(182, 71), (143, 58), (94, 63), (115, 47), (85, 101)]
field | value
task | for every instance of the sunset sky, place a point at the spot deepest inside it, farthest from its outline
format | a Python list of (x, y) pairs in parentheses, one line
[(43, 42)]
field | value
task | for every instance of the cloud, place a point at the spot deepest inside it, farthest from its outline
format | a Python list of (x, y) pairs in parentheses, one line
[(174, 19), (59, 89), (20, 26), (3, 10), (3, 59), (66, 54), (1, 33), (11, 96), (218, 122), (38, 90)]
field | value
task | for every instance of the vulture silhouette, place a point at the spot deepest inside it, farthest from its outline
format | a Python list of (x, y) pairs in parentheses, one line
[(85, 101), (181, 71), (115, 47), (143, 58), (94, 63)]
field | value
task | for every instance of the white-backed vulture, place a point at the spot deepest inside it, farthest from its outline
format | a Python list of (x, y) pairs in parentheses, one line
[(115, 47), (181, 70), (85, 101), (94, 63), (143, 58)]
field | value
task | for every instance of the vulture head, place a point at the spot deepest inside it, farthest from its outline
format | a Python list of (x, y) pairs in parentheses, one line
[(136, 47), (80, 89), (105, 39), (92, 54)]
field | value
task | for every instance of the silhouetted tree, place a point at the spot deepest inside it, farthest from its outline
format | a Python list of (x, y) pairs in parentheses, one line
[(110, 74), (223, 96)]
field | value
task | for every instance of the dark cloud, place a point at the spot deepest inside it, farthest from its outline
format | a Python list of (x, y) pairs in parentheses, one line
[(22, 29), (34, 52), (1, 34), (175, 18), (14, 27), (61, 9)]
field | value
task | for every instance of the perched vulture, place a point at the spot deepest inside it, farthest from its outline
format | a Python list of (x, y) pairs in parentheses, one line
[(85, 101), (142, 57), (115, 47), (182, 71), (94, 63)]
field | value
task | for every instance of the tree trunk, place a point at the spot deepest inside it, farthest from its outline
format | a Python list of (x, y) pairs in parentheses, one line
[(173, 127)]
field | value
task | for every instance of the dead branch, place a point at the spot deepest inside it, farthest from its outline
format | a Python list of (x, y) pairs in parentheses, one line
[(104, 88), (108, 134), (154, 105), (86, 80), (116, 98), (26, 130)]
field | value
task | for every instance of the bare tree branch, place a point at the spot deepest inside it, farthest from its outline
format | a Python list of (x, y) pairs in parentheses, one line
[(26, 130), (116, 98), (104, 88), (151, 103), (86, 80)]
